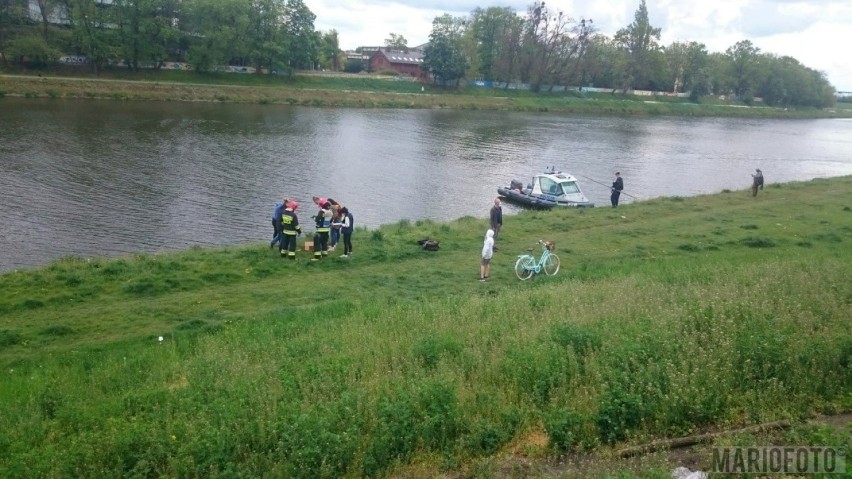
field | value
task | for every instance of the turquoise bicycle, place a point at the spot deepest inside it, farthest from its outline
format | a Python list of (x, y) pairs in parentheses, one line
[(526, 265)]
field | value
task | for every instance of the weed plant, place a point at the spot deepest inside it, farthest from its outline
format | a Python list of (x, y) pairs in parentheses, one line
[(663, 321)]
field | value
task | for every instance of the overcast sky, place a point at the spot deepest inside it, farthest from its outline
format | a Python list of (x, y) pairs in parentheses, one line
[(817, 33)]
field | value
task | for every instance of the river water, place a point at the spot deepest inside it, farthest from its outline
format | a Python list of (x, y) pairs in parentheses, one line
[(100, 178)]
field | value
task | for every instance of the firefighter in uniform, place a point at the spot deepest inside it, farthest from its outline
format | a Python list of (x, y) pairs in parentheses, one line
[(289, 230), (323, 223)]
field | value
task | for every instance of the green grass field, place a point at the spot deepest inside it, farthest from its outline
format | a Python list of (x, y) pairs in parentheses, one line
[(669, 317)]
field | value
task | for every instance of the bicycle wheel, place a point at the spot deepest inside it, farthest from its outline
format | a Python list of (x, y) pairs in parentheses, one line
[(522, 268), (551, 265)]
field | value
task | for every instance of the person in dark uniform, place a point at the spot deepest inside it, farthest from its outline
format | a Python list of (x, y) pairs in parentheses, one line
[(290, 229), (617, 187), (757, 181), (323, 225)]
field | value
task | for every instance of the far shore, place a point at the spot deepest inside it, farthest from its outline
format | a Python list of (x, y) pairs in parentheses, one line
[(359, 91)]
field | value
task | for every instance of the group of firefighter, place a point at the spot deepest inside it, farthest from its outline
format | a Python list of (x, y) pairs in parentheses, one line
[(333, 221)]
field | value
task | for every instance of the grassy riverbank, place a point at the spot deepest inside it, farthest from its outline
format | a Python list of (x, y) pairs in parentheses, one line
[(668, 317), (360, 91)]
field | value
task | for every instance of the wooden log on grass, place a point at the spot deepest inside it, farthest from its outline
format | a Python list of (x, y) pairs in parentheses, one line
[(686, 441)]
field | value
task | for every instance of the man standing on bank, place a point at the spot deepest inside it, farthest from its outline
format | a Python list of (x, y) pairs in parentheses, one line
[(617, 187), (496, 217), (757, 181)]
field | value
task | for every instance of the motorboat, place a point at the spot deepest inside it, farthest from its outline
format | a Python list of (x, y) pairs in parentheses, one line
[(548, 189)]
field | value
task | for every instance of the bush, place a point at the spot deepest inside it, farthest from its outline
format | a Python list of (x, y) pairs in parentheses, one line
[(581, 339), (567, 430), (9, 338), (57, 330), (430, 350), (395, 437), (537, 370), (754, 242), (620, 413)]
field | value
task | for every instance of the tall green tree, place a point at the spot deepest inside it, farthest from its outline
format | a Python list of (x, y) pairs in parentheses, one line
[(93, 31), (218, 30), (676, 61), (604, 66), (494, 37), (145, 30), (719, 73), (19, 40), (299, 28), (47, 11), (508, 63), (585, 32), (13, 14), (639, 40), (331, 57), (32, 47), (745, 69), (544, 42), (687, 67), (267, 44), (789, 83), (443, 57), (396, 42), (572, 48)]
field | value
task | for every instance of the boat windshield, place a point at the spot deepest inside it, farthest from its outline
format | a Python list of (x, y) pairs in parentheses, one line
[(570, 187), (550, 187)]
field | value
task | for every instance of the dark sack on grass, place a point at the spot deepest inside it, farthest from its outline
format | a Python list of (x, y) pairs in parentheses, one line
[(429, 245)]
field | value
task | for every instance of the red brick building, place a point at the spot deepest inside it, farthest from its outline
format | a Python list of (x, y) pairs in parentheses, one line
[(402, 62)]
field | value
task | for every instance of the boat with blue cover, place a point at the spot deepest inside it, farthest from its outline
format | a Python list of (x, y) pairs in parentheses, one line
[(548, 189)]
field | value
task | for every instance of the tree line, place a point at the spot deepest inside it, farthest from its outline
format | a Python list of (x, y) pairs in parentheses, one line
[(542, 47), (266, 34), (547, 47)]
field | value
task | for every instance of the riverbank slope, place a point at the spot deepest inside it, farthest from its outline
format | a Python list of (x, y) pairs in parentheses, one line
[(358, 91), (667, 317)]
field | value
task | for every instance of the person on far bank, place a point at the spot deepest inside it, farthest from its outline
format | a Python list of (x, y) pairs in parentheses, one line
[(346, 230), (487, 253), (290, 229), (757, 181), (617, 187), (496, 217)]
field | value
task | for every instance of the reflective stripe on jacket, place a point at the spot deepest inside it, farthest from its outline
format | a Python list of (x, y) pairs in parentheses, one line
[(290, 223)]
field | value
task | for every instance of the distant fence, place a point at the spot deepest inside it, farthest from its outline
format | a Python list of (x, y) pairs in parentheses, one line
[(81, 60), (565, 89)]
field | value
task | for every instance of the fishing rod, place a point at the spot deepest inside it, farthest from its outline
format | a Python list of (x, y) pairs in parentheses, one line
[(608, 186)]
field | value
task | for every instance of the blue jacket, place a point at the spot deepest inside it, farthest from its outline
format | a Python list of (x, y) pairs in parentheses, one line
[(279, 209)]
